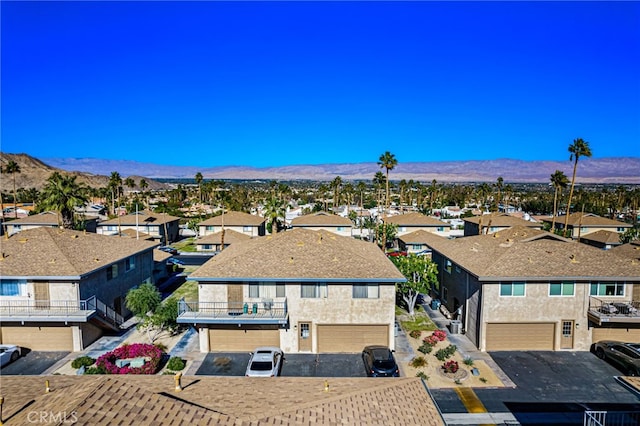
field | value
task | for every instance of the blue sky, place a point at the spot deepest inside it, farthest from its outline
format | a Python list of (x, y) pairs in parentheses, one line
[(276, 83)]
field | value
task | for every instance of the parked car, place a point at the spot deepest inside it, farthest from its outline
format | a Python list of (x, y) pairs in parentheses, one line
[(626, 356), (8, 353), (265, 361), (174, 261), (380, 362), (168, 249)]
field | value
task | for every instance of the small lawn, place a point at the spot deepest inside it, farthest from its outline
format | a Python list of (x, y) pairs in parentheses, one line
[(185, 245), (188, 290), (420, 321)]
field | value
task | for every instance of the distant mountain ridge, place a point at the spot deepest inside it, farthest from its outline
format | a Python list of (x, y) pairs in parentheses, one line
[(590, 170)]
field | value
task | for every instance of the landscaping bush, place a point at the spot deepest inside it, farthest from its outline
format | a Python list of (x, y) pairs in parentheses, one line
[(425, 348), (176, 363), (445, 353), (440, 335), (152, 354), (95, 370), (82, 361), (418, 362), (415, 334), (422, 375), (450, 366), (468, 361)]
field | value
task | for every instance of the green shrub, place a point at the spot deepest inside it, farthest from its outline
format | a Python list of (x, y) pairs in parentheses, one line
[(445, 353), (425, 348), (483, 380), (418, 362), (468, 361), (82, 361), (415, 334), (176, 363), (422, 375), (95, 370)]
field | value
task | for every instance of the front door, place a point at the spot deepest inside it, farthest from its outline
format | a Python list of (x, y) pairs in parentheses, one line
[(41, 295), (304, 337), (566, 341), (234, 297)]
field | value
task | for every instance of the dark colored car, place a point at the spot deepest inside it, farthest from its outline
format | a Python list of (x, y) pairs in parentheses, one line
[(168, 249), (626, 356), (379, 362)]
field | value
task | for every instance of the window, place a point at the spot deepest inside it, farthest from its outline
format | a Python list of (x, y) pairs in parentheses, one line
[(340, 228), (366, 291), (607, 289), (416, 247), (12, 287), (247, 228), (512, 289), (209, 228), (564, 288), (447, 266), (440, 228), (207, 246), (445, 294), (112, 272), (129, 264), (314, 291), (266, 290), (402, 228), (112, 228), (457, 269), (620, 229)]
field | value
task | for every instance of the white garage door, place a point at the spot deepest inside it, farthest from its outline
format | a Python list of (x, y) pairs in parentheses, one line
[(351, 338)]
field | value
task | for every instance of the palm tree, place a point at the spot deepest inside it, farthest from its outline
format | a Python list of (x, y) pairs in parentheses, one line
[(199, 180), (115, 183), (62, 193), (336, 184), (388, 162), (559, 181), (12, 168), (579, 148), (499, 184), (143, 186), (273, 210)]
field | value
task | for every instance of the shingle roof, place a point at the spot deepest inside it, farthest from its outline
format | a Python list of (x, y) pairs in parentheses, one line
[(45, 218), (143, 217), (300, 254), (230, 237), (501, 220), (234, 219), (590, 219), (522, 253), (321, 219), (152, 400), (415, 219), (602, 236), (420, 236), (50, 252), (630, 250)]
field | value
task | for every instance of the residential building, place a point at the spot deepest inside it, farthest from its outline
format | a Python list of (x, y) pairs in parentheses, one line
[(602, 239), (418, 242), (301, 290), (47, 219), (60, 289), (213, 242), (243, 223), (581, 224), (526, 289), (324, 221), (162, 227), (411, 222), (493, 222)]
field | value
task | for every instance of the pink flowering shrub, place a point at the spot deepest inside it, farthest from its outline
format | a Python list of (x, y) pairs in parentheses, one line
[(450, 366), (152, 354), (441, 335)]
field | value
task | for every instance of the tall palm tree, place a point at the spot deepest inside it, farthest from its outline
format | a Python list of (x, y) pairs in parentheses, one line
[(62, 193), (273, 210), (199, 180), (388, 162), (499, 184), (559, 181), (12, 168), (579, 148), (336, 184), (143, 186), (115, 184)]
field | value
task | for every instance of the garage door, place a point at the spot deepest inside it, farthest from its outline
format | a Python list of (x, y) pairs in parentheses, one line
[(520, 336), (49, 338), (351, 338), (241, 340), (615, 333)]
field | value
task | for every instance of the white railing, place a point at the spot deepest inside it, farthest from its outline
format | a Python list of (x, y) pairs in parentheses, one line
[(611, 418)]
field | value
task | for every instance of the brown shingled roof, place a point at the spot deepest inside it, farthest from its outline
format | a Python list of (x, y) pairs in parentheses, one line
[(420, 236), (321, 219), (142, 218), (602, 236), (300, 254), (44, 218), (230, 237), (590, 219), (152, 400), (501, 220), (415, 219), (63, 252), (630, 250), (234, 219)]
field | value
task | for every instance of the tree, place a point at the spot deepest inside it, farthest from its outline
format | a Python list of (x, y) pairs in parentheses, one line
[(12, 168), (199, 180), (115, 185), (273, 210), (144, 185), (579, 148), (386, 232), (163, 318), (559, 181), (144, 300), (62, 193), (336, 184), (421, 274), (499, 184), (631, 234), (388, 162)]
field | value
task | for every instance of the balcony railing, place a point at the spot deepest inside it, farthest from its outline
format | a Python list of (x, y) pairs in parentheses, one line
[(613, 311), (611, 418), (265, 311)]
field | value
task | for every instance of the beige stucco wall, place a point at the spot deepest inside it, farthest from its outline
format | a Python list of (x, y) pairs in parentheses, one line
[(588, 230), (403, 230), (238, 228), (345, 231)]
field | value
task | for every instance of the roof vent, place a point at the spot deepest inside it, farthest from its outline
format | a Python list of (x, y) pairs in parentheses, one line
[(23, 240), (73, 237), (573, 258)]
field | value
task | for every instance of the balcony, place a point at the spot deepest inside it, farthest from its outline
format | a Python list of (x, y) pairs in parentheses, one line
[(603, 311), (58, 311), (265, 311)]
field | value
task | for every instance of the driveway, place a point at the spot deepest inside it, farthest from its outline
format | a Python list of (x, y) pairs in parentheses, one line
[(551, 387), (295, 365), (33, 363)]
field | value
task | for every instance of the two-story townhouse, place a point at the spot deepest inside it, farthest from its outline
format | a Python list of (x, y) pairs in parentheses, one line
[(47, 219), (61, 289), (418, 242), (411, 222), (162, 227), (324, 221), (301, 290), (243, 223), (215, 242), (581, 224), (494, 222), (526, 289)]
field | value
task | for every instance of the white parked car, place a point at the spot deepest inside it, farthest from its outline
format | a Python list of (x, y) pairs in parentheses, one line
[(8, 353), (265, 361)]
